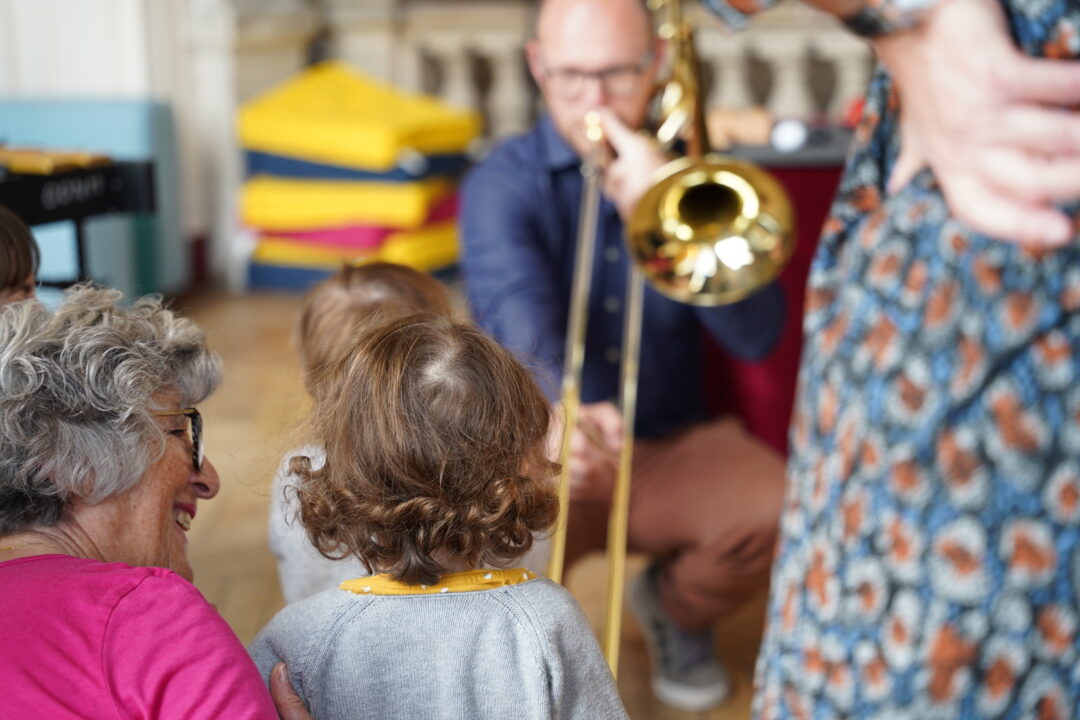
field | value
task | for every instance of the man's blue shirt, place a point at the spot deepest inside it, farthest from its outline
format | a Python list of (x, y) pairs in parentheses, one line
[(519, 217)]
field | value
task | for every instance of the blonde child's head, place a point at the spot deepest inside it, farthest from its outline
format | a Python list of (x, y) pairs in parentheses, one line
[(356, 297), (434, 441)]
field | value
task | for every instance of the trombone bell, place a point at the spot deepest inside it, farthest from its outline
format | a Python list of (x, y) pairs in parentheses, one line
[(711, 231)]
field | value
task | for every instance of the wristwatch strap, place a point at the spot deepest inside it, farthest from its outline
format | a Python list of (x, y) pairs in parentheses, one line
[(882, 17)]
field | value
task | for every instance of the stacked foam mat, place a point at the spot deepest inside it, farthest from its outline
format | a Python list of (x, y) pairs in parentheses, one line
[(341, 168)]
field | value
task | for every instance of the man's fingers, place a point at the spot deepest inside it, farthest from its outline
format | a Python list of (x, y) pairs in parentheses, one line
[(589, 446), (607, 419), (591, 476), (579, 445), (601, 444), (587, 458), (601, 156), (612, 183), (621, 137)]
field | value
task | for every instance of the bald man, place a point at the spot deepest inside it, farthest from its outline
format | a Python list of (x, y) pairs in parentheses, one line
[(705, 498)]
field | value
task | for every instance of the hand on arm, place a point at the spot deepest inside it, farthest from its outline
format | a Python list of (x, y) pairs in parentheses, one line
[(288, 703)]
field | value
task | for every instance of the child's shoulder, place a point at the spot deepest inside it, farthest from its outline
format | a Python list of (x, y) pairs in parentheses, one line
[(561, 629), (310, 623), (320, 609), (544, 588), (548, 600)]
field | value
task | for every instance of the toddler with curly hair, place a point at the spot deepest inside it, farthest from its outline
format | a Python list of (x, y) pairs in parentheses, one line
[(435, 476), (331, 315)]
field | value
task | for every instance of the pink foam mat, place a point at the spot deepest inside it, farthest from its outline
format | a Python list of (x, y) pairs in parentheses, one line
[(366, 236)]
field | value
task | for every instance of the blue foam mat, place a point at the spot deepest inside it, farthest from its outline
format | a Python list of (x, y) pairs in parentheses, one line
[(263, 276), (429, 166)]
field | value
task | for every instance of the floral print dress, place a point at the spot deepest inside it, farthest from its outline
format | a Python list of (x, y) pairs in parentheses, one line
[(929, 563)]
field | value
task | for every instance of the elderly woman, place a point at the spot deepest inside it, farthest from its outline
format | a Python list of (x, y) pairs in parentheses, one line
[(101, 474)]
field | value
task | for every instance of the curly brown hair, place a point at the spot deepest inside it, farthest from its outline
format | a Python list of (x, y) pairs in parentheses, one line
[(434, 446), (354, 297)]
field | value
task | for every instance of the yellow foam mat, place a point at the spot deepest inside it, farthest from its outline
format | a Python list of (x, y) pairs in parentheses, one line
[(271, 203), (334, 114), (429, 248)]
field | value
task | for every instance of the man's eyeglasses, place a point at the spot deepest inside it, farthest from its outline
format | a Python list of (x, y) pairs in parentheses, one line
[(617, 81), (196, 432)]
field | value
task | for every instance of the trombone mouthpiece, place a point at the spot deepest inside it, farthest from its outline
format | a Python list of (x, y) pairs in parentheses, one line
[(594, 131)]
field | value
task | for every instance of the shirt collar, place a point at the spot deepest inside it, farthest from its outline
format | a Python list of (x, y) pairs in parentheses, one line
[(558, 153), (463, 581)]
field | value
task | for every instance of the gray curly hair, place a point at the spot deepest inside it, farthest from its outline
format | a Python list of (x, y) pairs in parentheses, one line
[(77, 387)]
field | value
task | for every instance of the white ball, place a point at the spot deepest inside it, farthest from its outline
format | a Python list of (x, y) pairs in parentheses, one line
[(788, 135)]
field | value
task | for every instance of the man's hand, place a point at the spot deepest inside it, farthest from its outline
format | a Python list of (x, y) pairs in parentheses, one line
[(992, 123), (594, 449), (629, 174), (288, 703)]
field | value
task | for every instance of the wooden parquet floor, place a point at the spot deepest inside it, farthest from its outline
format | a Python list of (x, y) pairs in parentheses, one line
[(252, 421)]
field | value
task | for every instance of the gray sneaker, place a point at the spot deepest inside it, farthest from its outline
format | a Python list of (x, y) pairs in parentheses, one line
[(685, 671)]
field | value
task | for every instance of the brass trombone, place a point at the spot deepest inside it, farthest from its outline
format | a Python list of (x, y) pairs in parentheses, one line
[(711, 230)]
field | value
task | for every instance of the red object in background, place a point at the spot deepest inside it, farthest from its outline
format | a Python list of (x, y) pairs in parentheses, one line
[(763, 393), (853, 112)]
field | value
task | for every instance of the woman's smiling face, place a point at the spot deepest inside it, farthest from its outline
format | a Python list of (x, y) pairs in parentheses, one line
[(147, 525)]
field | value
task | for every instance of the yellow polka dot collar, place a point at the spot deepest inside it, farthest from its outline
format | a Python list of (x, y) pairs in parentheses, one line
[(464, 581)]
